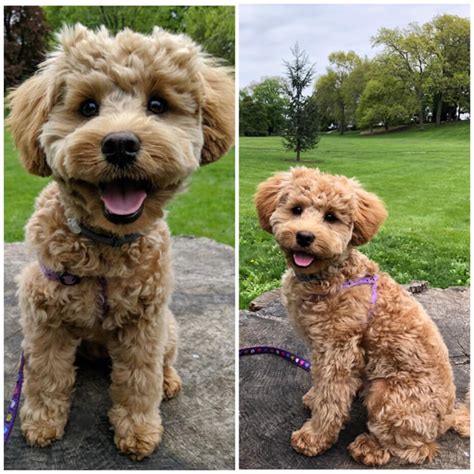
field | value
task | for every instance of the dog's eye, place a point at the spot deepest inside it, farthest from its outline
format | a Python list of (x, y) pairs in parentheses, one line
[(297, 210), (89, 108), (330, 217), (157, 105)]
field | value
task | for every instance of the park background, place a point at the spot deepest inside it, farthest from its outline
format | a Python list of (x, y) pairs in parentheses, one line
[(207, 208), (388, 103)]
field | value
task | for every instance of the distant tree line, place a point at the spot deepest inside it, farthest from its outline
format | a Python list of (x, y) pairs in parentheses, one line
[(28, 30), (422, 74)]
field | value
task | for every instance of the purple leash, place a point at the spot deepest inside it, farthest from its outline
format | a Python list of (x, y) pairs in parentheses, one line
[(293, 358), (14, 404), (297, 360)]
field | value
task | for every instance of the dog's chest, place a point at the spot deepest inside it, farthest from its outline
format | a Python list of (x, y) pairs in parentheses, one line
[(327, 316)]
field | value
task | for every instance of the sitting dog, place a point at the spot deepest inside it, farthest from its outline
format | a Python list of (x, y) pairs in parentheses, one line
[(119, 123), (364, 330)]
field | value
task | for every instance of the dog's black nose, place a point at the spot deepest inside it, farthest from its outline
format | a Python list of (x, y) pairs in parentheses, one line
[(120, 148), (304, 238)]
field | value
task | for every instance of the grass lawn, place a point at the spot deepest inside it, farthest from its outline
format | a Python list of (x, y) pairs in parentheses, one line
[(206, 209), (423, 177)]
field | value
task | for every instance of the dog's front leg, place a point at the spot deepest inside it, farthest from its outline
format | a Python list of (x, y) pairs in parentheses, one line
[(49, 378), (335, 383), (137, 388)]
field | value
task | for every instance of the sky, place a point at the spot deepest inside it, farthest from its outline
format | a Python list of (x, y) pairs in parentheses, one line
[(267, 32)]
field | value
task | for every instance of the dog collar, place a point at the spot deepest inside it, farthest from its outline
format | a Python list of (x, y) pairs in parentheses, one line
[(306, 278), (106, 239)]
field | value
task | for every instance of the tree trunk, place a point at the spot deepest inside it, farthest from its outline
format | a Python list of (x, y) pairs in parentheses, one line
[(439, 108), (386, 126), (298, 154), (421, 110)]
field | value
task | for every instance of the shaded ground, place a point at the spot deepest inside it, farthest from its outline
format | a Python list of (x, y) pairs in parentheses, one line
[(199, 423), (271, 388)]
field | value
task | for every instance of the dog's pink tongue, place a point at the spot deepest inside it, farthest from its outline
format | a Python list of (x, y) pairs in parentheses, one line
[(122, 200), (303, 259)]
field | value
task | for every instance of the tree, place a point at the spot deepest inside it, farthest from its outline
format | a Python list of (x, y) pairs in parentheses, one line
[(450, 36), (338, 91), (301, 130), (383, 102), (410, 55), (252, 116), (269, 93), (213, 28), (25, 38)]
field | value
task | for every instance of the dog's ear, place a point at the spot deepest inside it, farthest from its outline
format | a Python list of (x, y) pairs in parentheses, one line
[(30, 104), (369, 215), (218, 111), (266, 198)]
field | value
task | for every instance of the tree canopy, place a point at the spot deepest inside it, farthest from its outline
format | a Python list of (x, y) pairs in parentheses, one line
[(25, 35), (263, 106)]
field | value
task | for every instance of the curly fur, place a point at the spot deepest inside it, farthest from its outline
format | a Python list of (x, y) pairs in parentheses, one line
[(397, 359), (138, 331)]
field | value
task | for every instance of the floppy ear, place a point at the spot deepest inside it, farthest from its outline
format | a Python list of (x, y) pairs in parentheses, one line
[(266, 198), (370, 213), (30, 105), (218, 112)]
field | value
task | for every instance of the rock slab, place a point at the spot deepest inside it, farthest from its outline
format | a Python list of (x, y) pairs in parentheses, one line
[(198, 424), (271, 388)]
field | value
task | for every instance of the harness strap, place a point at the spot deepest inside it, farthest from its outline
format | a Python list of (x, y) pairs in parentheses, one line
[(368, 280), (69, 279), (65, 278)]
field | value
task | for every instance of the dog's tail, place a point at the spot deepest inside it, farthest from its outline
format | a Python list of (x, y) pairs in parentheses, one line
[(460, 418)]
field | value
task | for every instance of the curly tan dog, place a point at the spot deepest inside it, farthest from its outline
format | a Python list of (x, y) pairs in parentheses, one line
[(364, 330), (120, 123)]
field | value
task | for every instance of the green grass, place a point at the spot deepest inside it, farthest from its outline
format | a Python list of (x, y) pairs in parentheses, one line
[(423, 177), (206, 209)]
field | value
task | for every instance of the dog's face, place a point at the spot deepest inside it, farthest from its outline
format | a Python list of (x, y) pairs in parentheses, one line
[(315, 217), (120, 122)]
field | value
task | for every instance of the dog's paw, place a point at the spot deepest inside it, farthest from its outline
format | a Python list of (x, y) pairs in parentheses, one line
[(366, 450), (306, 441), (308, 398), (171, 382), (137, 439), (41, 433)]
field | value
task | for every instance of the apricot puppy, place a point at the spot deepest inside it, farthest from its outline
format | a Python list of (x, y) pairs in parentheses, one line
[(364, 331), (119, 123)]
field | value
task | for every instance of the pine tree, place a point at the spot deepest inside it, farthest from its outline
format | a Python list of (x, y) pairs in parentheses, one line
[(301, 132)]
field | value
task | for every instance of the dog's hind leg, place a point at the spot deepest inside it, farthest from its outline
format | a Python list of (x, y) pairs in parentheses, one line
[(403, 422), (171, 380)]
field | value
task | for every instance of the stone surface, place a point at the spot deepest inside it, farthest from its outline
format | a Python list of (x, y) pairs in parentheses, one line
[(271, 389), (199, 423)]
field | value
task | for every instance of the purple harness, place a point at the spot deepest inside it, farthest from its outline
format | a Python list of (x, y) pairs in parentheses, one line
[(296, 359)]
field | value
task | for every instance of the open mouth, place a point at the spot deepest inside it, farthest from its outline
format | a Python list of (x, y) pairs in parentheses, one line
[(123, 200), (302, 259)]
